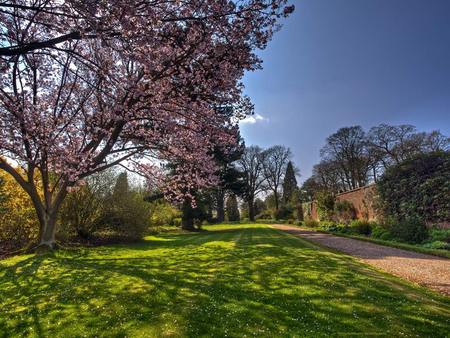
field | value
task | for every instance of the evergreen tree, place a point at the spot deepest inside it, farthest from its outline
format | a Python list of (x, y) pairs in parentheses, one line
[(121, 186), (289, 184), (232, 209)]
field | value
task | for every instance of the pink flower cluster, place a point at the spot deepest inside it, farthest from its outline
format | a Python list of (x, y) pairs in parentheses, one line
[(86, 85)]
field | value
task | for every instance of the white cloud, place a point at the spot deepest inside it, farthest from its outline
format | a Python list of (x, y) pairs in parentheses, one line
[(252, 119)]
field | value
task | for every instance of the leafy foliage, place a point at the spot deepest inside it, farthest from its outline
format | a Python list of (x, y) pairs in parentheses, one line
[(18, 222), (418, 187), (325, 205), (411, 230), (344, 211), (106, 207), (362, 227)]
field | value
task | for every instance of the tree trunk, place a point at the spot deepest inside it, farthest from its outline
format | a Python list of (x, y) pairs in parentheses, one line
[(187, 223), (187, 219), (251, 209), (48, 231), (275, 195), (220, 206)]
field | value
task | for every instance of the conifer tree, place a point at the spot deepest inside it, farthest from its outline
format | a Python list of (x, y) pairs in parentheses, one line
[(232, 209), (289, 184)]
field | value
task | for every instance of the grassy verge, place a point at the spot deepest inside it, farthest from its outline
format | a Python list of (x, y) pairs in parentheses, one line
[(232, 280)]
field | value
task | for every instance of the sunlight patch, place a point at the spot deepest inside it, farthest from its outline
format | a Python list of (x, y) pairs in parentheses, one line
[(222, 244)]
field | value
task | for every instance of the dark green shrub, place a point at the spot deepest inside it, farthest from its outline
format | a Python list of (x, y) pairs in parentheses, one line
[(283, 212), (177, 221), (344, 211), (381, 233), (361, 227), (411, 230), (310, 223), (417, 188), (290, 221), (442, 235)]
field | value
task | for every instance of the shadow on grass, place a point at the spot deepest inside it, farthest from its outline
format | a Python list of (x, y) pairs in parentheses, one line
[(241, 281)]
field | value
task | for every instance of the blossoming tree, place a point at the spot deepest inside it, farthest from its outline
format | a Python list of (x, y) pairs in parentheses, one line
[(85, 85)]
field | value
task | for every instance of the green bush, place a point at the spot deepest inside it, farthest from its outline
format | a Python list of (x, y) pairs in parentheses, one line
[(310, 223), (437, 245), (177, 221), (442, 235), (325, 205), (411, 230), (381, 233), (290, 221), (344, 211), (163, 213), (327, 225), (361, 227), (127, 216)]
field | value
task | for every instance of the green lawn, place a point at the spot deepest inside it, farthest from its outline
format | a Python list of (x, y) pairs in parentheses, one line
[(234, 280)]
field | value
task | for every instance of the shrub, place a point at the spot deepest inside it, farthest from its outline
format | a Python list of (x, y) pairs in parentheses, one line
[(127, 216), (327, 225), (266, 214), (18, 221), (361, 227), (417, 188), (381, 233), (177, 221), (310, 223), (325, 205), (283, 212), (163, 213), (442, 235), (290, 221), (411, 230), (437, 245), (344, 211)]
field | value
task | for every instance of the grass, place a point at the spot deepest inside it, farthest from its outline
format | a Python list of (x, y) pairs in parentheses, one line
[(234, 280)]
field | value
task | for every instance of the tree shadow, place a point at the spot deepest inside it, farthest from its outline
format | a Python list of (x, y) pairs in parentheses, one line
[(244, 282)]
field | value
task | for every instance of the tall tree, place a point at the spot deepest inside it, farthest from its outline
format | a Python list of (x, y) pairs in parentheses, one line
[(87, 85), (232, 208), (230, 179), (251, 164), (122, 186), (275, 161), (289, 183), (346, 149), (391, 145)]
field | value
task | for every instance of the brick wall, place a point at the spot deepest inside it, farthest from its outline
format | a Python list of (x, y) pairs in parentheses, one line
[(361, 198), (363, 201)]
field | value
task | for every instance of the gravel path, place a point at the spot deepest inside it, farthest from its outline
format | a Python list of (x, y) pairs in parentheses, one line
[(426, 270)]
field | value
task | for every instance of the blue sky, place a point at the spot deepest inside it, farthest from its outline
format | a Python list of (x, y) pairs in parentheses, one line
[(351, 62)]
